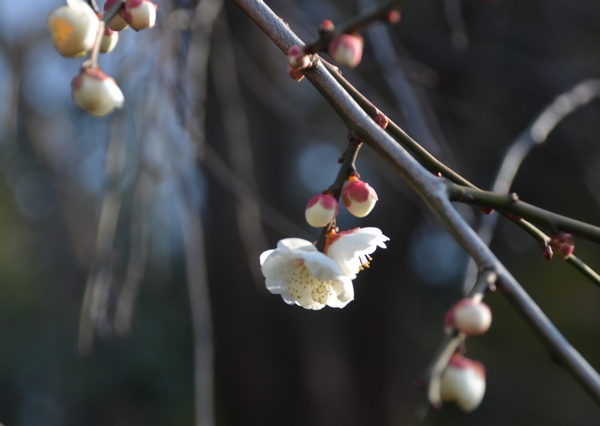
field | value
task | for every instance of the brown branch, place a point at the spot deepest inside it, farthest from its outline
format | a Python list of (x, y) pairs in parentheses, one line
[(433, 192)]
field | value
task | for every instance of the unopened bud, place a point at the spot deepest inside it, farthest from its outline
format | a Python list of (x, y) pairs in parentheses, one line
[(140, 14), (326, 26), (562, 244), (295, 75), (297, 58), (109, 40), (346, 49), (393, 17), (463, 382), (359, 197), (73, 28), (118, 22), (96, 92), (486, 210), (381, 120), (321, 210), (471, 317)]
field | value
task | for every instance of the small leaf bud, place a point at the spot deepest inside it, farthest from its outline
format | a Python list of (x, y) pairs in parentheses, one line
[(297, 58), (295, 75), (469, 316), (321, 210), (73, 28), (346, 49), (463, 382), (140, 14), (382, 120), (359, 197), (118, 22), (486, 210), (96, 92), (562, 244), (109, 40), (326, 26)]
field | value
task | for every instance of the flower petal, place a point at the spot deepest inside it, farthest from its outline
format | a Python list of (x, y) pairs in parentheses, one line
[(296, 244)]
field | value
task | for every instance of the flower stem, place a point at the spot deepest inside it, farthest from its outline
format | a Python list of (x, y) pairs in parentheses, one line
[(347, 169)]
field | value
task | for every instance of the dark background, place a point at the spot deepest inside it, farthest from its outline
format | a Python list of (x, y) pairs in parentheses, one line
[(277, 364)]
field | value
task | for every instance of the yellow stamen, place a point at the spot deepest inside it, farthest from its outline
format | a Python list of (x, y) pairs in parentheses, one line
[(60, 28)]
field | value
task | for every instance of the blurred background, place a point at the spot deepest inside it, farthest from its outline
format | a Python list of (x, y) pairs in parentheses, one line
[(129, 245)]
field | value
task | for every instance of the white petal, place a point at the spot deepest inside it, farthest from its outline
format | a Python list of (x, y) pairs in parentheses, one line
[(296, 244), (264, 256), (321, 266), (277, 264)]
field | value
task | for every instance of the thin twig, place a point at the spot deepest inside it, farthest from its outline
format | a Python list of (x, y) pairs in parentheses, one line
[(347, 168), (510, 204), (535, 135), (357, 24), (433, 192)]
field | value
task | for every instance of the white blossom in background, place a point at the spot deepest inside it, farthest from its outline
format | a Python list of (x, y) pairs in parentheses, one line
[(73, 28), (463, 382), (140, 14), (96, 92), (304, 276), (351, 249)]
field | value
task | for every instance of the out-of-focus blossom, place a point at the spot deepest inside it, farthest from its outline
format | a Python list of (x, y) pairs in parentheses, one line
[(117, 23), (96, 92), (346, 49), (109, 40), (469, 316), (463, 382), (140, 14), (73, 28)]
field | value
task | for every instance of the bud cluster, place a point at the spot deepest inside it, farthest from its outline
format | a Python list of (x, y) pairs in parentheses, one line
[(77, 30), (359, 199)]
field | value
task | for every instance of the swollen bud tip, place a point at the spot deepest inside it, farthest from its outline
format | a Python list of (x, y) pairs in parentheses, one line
[(297, 58), (321, 210), (118, 22), (562, 244), (109, 40), (346, 49), (469, 316), (359, 197)]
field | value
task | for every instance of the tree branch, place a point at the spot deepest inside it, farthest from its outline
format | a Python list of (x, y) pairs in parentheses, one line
[(433, 192)]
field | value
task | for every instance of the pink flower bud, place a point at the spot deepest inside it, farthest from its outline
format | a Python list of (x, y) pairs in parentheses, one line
[(463, 382), (358, 196), (73, 28), (96, 93), (346, 49), (118, 22), (295, 75), (562, 244), (109, 40), (297, 58), (469, 316), (321, 210), (140, 14)]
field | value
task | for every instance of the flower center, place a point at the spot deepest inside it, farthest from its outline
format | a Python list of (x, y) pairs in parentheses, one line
[(61, 28), (303, 286)]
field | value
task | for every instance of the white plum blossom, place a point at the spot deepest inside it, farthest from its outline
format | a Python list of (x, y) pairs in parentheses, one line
[(304, 276), (351, 249)]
